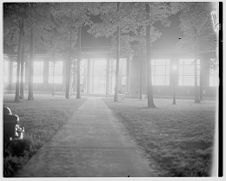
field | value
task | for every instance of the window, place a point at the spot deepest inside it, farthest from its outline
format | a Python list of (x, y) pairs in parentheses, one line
[(38, 72), (14, 72), (83, 65), (123, 69), (56, 72), (112, 70), (214, 73), (187, 72), (160, 71), (14, 64)]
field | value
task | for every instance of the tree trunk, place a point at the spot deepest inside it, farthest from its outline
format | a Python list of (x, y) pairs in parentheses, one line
[(197, 98), (74, 75), (128, 76), (68, 70), (174, 94), (67, 90), (107, 76), (88, 76), (10, 75), (174, 83), (30, 86), (22, 74), (17, 93), (148, 61), (201, 80), (54, 65), (174, 78), (141, 81), (117, 60), (78, 96), (46, 72)]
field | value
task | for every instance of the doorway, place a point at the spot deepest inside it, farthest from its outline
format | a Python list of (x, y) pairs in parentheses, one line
[(98, 76)]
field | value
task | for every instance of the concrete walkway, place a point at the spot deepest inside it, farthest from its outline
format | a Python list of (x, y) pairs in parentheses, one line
[(92, 143)]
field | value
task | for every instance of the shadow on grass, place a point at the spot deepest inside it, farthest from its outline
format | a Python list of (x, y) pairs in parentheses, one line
[(177, 138)]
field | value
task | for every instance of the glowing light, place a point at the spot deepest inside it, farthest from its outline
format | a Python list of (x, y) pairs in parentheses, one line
[(174, 67), (187, 72), (58, 72), (160, 71), (14, 72), (98, 74), (38, 72)]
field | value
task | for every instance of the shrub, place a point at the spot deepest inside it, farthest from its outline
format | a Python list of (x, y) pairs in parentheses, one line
[(19, 147)]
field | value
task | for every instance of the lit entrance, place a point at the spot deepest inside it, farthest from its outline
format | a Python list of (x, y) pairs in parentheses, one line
[(98, 76)]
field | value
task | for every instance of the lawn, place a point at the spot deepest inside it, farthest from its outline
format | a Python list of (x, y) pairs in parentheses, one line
[(177, 139), (42, 118)]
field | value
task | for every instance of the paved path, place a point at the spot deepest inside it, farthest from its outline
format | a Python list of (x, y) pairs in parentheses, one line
[(92, 143)]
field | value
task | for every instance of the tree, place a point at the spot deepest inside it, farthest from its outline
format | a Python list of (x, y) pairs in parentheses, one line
[(15, 14), (73, 16), (54, 40), (148, 60), (146, 15), (78, 95), (22, 71), (30, 79), (17, 94), (131, 18), (138, 45), (155, 12), (198, 35), (38, 17), (21, 16), (68, 68), (117, 58), (115, 24)]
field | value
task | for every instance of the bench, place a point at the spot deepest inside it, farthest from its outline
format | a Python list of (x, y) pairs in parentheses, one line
[(122, 95)]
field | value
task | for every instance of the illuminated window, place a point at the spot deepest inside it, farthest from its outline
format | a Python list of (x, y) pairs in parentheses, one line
[(112, 70), (14, 72), (56, 72), (6, 71), (122, 70), (214, 73), (160, 71), (83, 75), (187, 72), (38, 71)]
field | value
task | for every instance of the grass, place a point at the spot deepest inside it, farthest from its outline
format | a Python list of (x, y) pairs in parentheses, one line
[(177, 139), (42, 118)]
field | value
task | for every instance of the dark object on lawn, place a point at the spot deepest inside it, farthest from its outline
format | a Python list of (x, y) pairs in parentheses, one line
[(12, 129), (19, 147)]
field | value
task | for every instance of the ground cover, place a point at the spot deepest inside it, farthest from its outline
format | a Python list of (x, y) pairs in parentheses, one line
[(41, 119), (177, 139)]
